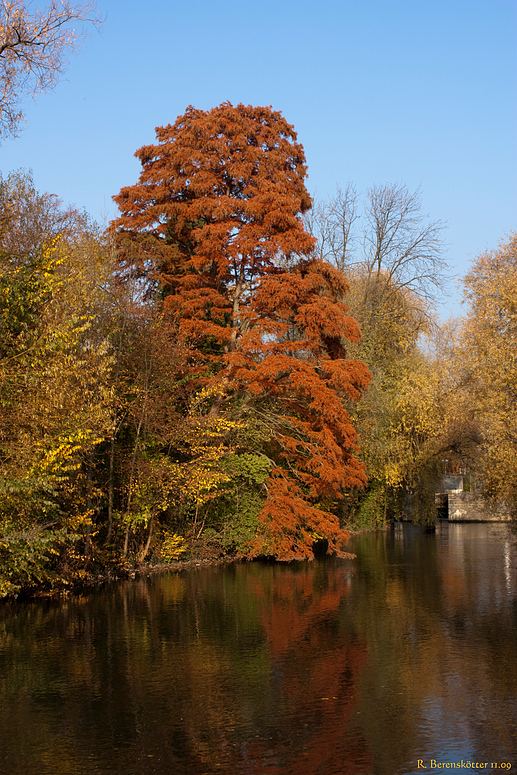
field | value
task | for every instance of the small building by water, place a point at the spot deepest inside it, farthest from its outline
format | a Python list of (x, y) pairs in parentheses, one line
[(456, 504)]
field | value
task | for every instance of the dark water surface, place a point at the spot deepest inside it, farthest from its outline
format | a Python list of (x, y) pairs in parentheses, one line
[(407, 653)]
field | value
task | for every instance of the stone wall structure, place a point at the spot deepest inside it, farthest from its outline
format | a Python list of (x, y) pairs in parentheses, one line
[(471, 507), (468, 506)]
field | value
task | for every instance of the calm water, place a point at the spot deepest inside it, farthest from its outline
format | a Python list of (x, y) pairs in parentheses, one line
[(351, 667)]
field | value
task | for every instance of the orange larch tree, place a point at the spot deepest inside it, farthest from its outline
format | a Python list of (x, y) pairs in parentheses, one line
[(214, 226)]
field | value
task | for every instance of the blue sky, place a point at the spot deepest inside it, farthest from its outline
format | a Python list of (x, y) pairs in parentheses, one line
[(418, 92)]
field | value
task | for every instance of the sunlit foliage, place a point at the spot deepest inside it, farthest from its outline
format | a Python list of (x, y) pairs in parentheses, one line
[(54, 405), (489, 362)]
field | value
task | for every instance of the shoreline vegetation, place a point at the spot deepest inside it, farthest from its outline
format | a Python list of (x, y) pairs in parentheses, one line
[(234, 365), (204, 554)]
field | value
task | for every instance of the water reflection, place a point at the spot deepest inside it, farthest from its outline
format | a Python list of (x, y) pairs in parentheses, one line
[(365, 666)]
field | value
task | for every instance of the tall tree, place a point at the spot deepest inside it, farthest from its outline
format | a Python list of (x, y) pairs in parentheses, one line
[(34, 44), (55, 409), (391, 254), (55, 364), (389, 250), (487, 360), (214, 224), (385, 235)]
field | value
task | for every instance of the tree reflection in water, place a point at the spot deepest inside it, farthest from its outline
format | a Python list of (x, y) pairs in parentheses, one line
[(321, 668)]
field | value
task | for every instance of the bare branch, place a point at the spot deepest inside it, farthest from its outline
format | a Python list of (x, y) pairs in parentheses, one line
[(400, 244), (333, 224), (34, 48), (400, 247)]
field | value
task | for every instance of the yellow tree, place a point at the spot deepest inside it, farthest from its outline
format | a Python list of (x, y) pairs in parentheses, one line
[(166, 450), (431, 423), (392, 329), (54, 402), (489, 362)]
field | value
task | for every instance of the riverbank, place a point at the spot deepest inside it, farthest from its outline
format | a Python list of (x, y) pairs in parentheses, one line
[(200, 553)]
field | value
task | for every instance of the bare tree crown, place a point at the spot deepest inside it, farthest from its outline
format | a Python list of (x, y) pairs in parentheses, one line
[(34, 45)]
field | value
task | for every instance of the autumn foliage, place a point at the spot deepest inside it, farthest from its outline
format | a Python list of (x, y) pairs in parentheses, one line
[(188, 381), (214, 227), (488, 365)]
